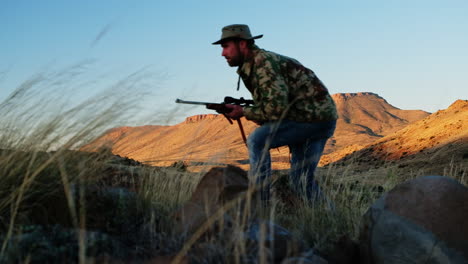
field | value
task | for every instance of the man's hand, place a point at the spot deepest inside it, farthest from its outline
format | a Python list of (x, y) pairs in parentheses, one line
[(236, 112)]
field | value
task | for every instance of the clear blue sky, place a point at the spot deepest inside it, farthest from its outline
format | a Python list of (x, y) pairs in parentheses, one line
[(414, 53)]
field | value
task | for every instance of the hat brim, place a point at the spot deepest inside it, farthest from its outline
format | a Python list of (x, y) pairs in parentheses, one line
[(231, 38)]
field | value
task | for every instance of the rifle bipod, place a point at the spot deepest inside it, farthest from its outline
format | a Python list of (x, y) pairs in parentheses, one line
[(241, 128)]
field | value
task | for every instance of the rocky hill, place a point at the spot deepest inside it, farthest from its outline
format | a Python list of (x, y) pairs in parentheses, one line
[(366, 117), (433, 143), (201, 139)]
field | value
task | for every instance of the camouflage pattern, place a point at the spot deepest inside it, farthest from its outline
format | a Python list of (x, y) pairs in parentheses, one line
[(282, 88)]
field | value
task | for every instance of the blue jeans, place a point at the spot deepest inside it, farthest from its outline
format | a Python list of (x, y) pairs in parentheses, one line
[(306, 142)]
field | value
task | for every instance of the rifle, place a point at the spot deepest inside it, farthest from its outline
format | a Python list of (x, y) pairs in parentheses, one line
[(222, 109)]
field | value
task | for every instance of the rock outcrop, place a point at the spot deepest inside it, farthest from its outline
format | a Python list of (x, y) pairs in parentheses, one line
[(419, 221), (198, 118), (263, 239), (215, 188)]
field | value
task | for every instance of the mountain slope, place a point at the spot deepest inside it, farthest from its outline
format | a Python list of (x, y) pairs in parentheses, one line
[(201, 138), (433, 142), (364, 118)]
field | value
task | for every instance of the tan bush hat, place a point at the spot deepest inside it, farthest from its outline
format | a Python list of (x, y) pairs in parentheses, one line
[(236, 31)]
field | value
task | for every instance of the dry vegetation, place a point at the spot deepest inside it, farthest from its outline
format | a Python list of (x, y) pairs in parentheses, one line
[(48, 195)]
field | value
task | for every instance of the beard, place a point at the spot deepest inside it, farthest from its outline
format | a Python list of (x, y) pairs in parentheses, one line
[(234, 61)]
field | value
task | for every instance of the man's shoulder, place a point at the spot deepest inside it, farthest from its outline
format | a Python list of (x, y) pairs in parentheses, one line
[(260, 55), (265, 53), (264, 57)]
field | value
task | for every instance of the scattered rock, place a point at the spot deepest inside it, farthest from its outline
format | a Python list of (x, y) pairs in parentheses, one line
[(56, 244), (167, 260), (215, 188), (180, 165), (308, 258), (274, 241), (113, 210), (344, 251), (421, 220), (107, 209)]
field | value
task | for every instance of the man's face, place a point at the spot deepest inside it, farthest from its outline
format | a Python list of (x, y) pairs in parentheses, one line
[(231, 52)]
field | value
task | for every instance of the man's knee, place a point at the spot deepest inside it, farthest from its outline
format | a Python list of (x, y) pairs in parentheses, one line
[(257, 139)]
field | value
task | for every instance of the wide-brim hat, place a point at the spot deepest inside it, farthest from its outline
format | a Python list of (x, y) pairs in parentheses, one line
[(236, 31)]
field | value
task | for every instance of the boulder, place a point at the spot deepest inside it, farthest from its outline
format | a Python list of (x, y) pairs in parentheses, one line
[(419, 221), (276, 242), (217, 186), (305, 260), (343, 251), (56, 244), (167, 260), (111, 210)]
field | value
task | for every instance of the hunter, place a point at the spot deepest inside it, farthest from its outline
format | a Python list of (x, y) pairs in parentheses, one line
[(291, 105)]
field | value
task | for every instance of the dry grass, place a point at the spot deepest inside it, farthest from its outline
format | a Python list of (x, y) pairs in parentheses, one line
[(40, 128), (42, 120)]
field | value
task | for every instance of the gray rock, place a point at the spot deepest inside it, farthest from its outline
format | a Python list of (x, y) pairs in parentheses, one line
[(300, 260), (419, 221), (55, 244), (277, 241), (215, 188), (308, 257)]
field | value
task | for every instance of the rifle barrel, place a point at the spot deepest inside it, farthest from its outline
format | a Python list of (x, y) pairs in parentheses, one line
[(179, 101)]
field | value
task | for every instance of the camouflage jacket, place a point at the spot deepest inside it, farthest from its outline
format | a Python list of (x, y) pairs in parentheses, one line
[(282, 88)]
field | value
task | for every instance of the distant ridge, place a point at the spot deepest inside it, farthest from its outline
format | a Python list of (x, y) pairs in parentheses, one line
[(198, 118), (346, 96), (364, 118), (435, 141)]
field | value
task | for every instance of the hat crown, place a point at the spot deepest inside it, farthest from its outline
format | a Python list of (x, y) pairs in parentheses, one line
[(240, 31)]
